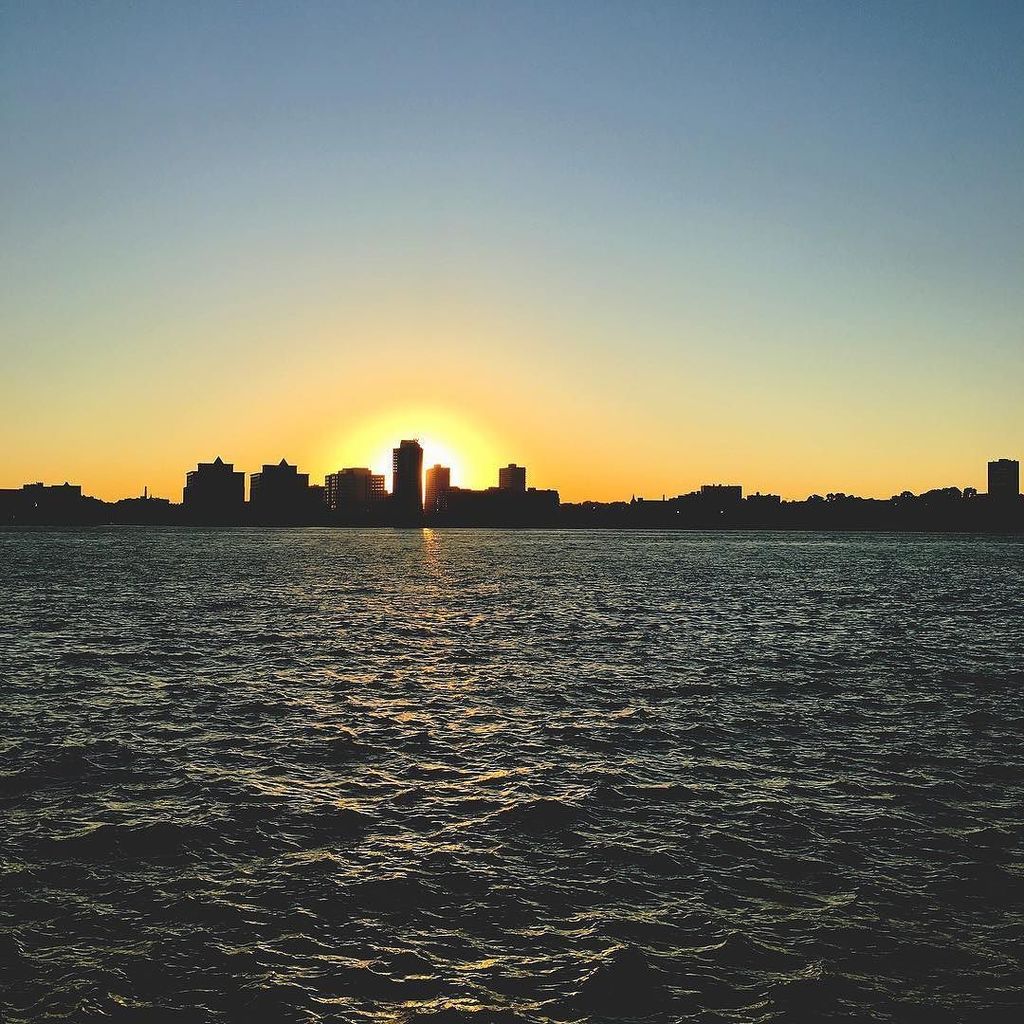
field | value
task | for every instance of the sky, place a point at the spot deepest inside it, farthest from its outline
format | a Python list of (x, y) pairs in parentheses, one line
[(634, 246)]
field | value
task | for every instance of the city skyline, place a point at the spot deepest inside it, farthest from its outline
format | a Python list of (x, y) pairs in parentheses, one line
[(422, 487), (280, 495), (477, 472)]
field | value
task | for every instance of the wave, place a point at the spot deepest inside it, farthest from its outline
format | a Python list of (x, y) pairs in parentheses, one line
[(541, 815), (623, 985), (334, 823), (84, 765), (746, 952), (344, 745), (155, 841)]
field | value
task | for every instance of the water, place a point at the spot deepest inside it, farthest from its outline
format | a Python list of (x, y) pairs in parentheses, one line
[(391, 776)]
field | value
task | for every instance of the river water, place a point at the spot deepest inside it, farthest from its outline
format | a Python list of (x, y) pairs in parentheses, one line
[(452, 776)]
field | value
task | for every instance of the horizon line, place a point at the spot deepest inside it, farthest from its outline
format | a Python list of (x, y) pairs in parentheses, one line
[(666, 495)]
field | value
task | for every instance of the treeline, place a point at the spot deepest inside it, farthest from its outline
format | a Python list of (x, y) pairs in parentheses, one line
[(947, 508)]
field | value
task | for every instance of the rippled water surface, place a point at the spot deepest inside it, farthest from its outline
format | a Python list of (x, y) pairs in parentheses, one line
[(321, 775)]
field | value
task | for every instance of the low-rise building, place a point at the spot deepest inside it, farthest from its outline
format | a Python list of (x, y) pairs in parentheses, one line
[(214, 493), (279, 493)]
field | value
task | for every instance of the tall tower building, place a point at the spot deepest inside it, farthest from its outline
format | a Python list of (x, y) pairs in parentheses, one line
[(1004, 480), (439, 483), (407, 482), (512, 478)]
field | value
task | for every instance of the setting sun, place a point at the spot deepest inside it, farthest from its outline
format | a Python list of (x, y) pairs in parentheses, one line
[(447, 438)]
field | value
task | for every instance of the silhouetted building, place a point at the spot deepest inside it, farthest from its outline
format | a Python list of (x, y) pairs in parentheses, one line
[(11, 505), (512, 478), (280, 494), (356, 495), (214, 493), (54, 503), (497, 507), (50, 505), (53, 494), (354, 488), (407, 484), (511, 503), (760, 510), (721, 498), (1004, 480), (439, 482)]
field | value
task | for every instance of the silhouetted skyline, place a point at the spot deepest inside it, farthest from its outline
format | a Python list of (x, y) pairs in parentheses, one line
[(214, 494)]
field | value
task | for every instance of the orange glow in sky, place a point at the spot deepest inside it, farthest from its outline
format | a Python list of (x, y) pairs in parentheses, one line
[(446, 438)]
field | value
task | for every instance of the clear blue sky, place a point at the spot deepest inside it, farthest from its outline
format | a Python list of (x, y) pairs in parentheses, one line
[(634, 245)]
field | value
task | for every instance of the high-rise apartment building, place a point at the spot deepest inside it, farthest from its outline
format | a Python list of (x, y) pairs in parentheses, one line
[(512, 478), (280, 493), (407, 483), (1004, 479), (214, 492), (356, 489), (721, 496), (439, 483)]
